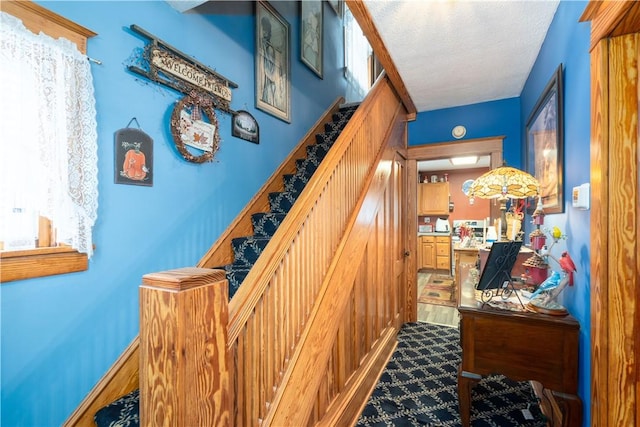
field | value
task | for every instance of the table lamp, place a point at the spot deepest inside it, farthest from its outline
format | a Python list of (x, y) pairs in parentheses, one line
[(504, 183)]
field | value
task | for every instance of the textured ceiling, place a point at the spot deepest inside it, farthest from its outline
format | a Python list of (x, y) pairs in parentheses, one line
[(452, 52), (457, 52)]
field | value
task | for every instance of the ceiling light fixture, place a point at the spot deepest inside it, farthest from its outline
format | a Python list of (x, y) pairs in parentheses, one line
[(467, 160)]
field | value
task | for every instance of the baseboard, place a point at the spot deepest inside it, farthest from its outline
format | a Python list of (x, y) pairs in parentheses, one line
[(347, 407)]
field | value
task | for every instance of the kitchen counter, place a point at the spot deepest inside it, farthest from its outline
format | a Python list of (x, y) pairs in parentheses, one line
[(435, 233)]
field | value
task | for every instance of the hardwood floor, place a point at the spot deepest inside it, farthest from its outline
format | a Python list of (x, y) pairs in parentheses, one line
[(438, 314)]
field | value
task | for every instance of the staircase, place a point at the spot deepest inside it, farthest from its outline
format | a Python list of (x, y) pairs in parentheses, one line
[(315, 263), (247, 249)]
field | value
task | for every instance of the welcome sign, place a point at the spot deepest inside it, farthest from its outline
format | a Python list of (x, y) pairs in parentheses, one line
[(169, 63), (171, 67)]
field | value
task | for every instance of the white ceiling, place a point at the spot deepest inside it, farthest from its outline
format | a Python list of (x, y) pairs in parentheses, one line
[(459, 52), (451, 53)]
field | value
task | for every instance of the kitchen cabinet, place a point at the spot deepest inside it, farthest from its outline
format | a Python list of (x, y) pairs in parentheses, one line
[(427, 252), (433, 199), (435, 252), (443, 253)]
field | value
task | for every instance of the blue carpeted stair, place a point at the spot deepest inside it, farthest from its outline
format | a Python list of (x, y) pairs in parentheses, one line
[(124, 411), (247, 249)]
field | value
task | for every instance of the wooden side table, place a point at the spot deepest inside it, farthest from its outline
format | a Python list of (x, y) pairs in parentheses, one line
[(521, 346)]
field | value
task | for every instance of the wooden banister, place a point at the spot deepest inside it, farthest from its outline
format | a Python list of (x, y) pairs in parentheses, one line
[(307, 334)]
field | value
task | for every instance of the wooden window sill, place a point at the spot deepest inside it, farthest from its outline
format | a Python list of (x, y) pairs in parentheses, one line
[(40, 262)]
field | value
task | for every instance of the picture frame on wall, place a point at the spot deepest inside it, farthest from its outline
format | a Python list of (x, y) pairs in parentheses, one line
[(245, 126), (273, 85), (133, 157), (545, 141), (311, 34)]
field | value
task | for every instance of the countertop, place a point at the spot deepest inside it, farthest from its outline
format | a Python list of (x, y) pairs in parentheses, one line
[(435, 233)]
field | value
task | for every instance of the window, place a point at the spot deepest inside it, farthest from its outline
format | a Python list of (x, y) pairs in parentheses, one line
[(358, 56), (48, 152)]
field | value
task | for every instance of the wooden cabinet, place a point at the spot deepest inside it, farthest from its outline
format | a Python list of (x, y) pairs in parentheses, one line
[(521, 346), (435, 252), (427, 252), (443, 253), (433, 199)]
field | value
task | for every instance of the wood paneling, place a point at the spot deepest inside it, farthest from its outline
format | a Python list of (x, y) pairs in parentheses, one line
[(615, 215)]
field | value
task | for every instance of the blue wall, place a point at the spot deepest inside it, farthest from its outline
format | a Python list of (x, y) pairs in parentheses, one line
[(567, 42), (487, 119), (60, 334)]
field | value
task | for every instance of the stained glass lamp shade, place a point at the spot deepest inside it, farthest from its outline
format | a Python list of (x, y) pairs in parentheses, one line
[(504, 183)]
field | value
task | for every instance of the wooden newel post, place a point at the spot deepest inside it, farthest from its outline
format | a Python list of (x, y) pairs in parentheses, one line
[(185, 378)]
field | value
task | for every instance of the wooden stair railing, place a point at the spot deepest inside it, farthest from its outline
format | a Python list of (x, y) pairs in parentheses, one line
[(270, 310), (321, 304), (122, 377)]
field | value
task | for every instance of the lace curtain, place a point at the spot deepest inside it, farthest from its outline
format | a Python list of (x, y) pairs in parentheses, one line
[(48, 148)]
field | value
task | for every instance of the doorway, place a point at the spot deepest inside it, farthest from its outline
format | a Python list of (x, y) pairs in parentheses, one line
[(491, 147)]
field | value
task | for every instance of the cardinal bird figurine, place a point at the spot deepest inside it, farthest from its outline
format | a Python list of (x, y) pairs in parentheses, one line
[(568, 266)]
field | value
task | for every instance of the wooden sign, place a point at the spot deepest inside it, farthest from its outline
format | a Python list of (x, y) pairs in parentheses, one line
[(169, 63), (175, 69)]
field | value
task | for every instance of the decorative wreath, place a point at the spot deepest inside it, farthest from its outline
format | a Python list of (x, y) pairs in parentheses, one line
[(187, 127)]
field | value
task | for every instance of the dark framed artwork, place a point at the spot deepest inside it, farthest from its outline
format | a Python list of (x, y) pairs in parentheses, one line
[(545, 143), (133, 157), (273, 93), (245, 126), (311, 24)]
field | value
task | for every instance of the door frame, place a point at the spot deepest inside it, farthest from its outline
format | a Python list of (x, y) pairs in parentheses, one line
[(492, 147)]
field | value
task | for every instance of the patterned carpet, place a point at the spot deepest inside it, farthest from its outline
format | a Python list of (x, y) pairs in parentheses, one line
[(419, 387)]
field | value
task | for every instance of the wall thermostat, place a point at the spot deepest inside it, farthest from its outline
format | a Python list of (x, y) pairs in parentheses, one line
[(581, 196)]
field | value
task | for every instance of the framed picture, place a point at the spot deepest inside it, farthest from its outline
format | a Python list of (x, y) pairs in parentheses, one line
[(337, 6), (133, 157), (545, 144), (244, 126), (272, 62), (311, 17)]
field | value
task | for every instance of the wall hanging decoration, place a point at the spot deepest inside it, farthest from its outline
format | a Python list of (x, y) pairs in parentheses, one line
[(244, 126), (194, 124), (311, 18), (272, 62), (133, 156), (167, 65), (544, 144)]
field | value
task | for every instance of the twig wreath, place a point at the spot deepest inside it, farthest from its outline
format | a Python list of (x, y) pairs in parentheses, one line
[(189, 129)]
